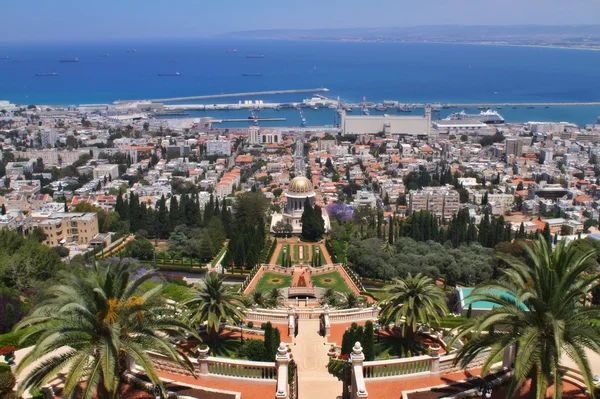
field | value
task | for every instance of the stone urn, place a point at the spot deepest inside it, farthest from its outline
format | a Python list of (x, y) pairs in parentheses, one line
[(434, 350), (202, 351)]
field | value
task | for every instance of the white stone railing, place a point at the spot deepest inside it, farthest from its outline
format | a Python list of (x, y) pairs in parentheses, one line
[(241, 368), (216, 366), (430, 364), (281, 315), (275, 316), (397, 367), (352, 315)]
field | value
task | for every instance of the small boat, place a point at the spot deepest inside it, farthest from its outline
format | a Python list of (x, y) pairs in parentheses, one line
[(47, 74), (105, 55), (131, 51), (381, 108), (17, 61), (514, 107), (173, 61), (498, 107), (531, 107), (70, 60), (546, 106), (255, 56), (169, 74), (5, 57), (481, 107), (231, 51), (404, 108), (252, 74)]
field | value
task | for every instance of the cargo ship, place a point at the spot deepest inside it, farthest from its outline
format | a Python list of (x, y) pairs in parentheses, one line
[(47, 74), (70, 60), (255, 56), (252, 74), (169, 74), (489, 117)]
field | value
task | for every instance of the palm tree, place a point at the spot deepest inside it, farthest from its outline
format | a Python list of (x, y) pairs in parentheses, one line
[(259, 298), (330, 297), (212, 302), (275, 297), (413, 300), (92, 326), (538, 311), (351, 300)]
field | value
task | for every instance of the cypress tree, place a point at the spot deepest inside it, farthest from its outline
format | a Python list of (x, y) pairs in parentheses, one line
[(162, 218), (521, 233), (120, 207), (469, 311), (484, 230), (134, 213), (307, 220), (268, 341), (174, 220), (208, 210), (391, 231), (368, 341), (547, 235)]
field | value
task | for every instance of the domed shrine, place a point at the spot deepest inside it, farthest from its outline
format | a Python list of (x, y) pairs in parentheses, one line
[(299, 190)]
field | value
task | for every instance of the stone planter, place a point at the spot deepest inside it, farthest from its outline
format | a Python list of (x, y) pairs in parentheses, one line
[(434, 350), (202, 353)]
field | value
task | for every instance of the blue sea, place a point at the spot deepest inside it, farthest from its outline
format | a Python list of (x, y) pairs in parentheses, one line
[(404, 72)]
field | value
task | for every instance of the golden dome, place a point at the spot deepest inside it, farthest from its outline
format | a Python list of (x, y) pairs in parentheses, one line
[(300, 185)]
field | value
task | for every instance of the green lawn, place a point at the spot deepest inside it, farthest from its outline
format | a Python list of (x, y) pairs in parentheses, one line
[(270, 280), (331, 280), (280, 254)]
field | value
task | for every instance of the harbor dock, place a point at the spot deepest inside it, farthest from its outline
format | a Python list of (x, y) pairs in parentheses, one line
[(228, 95)]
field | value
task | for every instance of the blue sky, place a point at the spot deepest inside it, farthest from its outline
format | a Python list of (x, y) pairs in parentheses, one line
[(59, 20)]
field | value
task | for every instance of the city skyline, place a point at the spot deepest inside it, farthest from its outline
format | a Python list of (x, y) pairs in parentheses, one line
[(187, 19)]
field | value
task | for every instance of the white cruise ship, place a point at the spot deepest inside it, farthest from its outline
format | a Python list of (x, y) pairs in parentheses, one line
[(488, 116)]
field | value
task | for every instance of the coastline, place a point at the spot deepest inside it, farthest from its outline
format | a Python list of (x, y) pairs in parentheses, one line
[(341, 40)]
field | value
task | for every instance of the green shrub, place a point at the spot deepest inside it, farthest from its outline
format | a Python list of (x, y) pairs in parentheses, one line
[(178, 281), (250, 324), (253, 349), (4, 368), (175, 292), (263, 326), (13, 338), (7, 382)]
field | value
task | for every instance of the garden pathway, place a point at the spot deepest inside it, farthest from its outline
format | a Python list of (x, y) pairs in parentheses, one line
[(310, 354)]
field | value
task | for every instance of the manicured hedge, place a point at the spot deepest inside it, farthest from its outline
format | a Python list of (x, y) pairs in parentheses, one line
[(13, 338)]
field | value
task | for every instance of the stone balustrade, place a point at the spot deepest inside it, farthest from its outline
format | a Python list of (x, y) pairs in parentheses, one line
[(397, 367), (242, 368), (216, 366)]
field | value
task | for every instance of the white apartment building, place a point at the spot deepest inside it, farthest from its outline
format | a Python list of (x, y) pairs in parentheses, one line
[(107, 170), (441, 201), (218, 147)]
